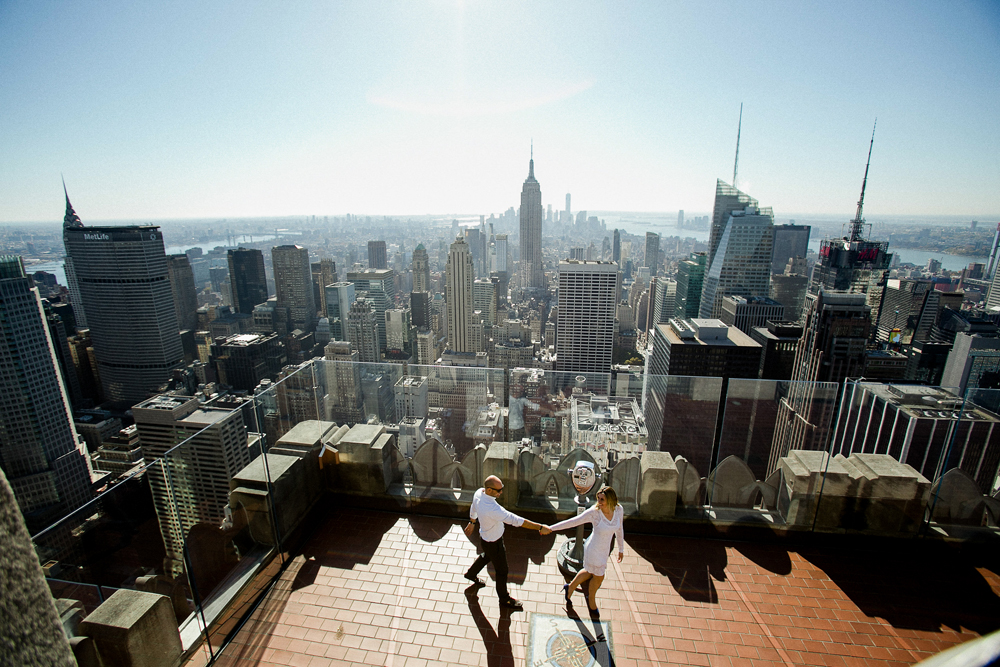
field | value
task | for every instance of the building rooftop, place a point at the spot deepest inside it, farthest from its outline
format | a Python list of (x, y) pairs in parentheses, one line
[(704, 332), (383, 588), (244, 339), (761, 300), (163, 402), (929, 402), (207, 416)]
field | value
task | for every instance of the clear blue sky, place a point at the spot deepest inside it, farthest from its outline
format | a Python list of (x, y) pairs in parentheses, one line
[(157, 110)]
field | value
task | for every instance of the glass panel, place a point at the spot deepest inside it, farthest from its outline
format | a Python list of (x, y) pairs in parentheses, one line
[(681, 415), (950, 441), (113, 542), (541, 410), (979, 442), (222, 538), (966, 485), (763, 421), (463, 406), (297, 396)]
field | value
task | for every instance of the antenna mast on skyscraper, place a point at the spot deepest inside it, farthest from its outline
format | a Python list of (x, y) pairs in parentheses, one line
[(857, 225), (739, 128)]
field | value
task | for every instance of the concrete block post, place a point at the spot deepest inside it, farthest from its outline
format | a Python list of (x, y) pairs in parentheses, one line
[(805, 475), (657, 485), (891, 496), (135, 629), (363, 467), (384, 463), (501, 460), (289, 484), (305, 441)]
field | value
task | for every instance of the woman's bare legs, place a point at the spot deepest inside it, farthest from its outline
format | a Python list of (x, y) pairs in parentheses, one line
[(580, 577), (595, 583)]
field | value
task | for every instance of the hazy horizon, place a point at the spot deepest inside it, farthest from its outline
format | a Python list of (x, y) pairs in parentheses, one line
[(465, 217)]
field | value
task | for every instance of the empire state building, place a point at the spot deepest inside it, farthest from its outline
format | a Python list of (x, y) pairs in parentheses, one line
[(533, 277)]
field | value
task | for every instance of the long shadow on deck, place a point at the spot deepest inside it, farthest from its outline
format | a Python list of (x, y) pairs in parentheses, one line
[(357, 536), (915, 584), (693, 565)]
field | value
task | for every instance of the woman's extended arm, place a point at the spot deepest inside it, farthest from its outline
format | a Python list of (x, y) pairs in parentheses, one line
[(572, 522)]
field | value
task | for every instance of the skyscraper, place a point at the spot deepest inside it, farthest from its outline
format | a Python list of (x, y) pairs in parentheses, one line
[(421, 270), (790, 241), (690, 278), (400, 333), (585, 323), (40, 453), (459, 275), (854, 264), (474, 237), (362, 332), (343, 376), (243, 360), (324, 272), (749, 312), (484, 299), (339, 297), (293, 285), (376, 255), (71, 219), (182, 286), (217, 449), (248, 279), (420, 306), (616, 247), (662, 301), (533, 276), (379, 286), (902, 304), (836, 335), (502, 264), (121, 276), (652, 252), (789, 289), (727, 200), (742, 262)]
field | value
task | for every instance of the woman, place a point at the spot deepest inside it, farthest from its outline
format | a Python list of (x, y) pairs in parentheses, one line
[(606, 518)]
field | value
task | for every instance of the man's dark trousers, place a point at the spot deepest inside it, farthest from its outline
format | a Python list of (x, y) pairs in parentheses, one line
[(496, 553)]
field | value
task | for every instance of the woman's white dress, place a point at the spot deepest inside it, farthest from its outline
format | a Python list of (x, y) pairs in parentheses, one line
[(598, 545)]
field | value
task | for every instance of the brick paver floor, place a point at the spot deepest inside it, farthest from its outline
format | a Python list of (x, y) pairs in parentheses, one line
[(376, 588)]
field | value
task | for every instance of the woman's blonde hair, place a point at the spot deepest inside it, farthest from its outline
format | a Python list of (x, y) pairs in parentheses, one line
[(610, 496)]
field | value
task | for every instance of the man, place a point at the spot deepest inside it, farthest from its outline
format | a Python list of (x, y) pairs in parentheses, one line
[(517, 402), (491, 517)]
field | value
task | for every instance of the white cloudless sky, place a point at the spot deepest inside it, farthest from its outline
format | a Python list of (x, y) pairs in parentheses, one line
[(229, 109)]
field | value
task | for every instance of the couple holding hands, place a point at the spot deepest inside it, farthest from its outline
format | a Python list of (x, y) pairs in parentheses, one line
[(606, 518)]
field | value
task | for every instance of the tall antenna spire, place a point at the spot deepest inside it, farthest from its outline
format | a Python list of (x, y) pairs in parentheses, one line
[(857, 225), (739, 129), (531, 162)]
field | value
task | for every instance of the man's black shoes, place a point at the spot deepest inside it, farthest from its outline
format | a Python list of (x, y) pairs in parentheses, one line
[(511, 603), (476, 581)]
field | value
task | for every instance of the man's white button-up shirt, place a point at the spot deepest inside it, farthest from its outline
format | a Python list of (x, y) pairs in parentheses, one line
[(491, 515)]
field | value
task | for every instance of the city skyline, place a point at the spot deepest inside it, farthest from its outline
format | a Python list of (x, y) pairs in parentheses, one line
[(154, 113)]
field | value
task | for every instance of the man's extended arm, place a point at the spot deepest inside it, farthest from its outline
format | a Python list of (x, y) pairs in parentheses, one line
[(531, 525)]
